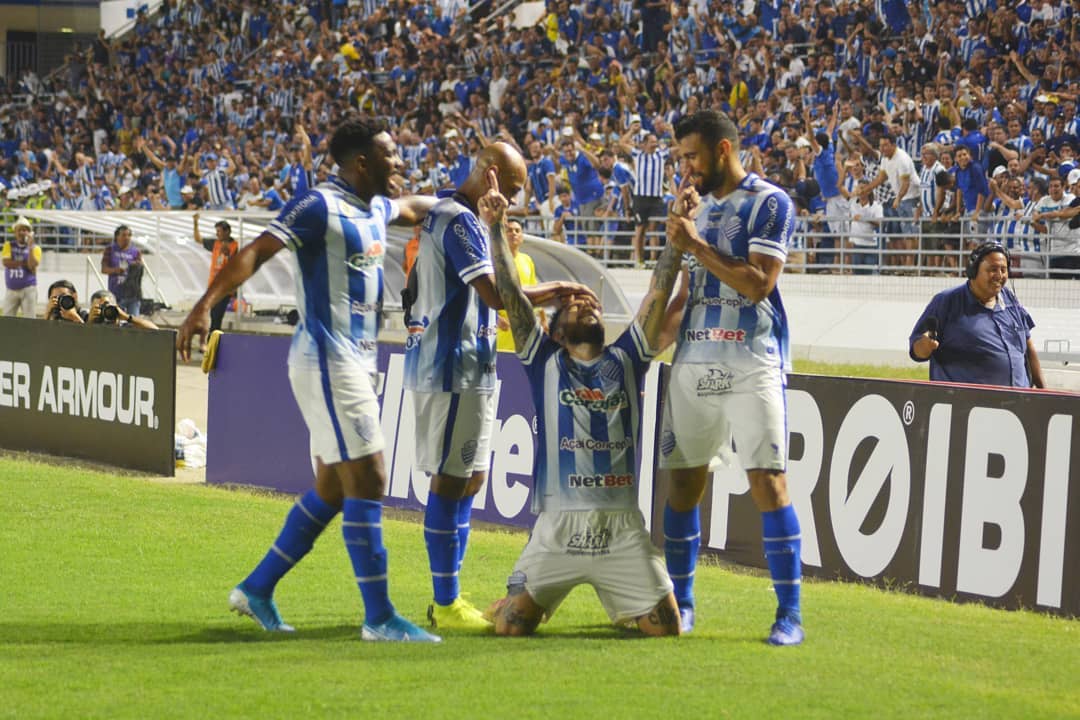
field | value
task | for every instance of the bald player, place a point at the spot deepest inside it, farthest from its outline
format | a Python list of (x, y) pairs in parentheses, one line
[(450, 369)]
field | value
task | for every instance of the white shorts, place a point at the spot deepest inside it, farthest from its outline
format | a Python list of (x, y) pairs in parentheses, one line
[(709, 406), (453, 432), (609, 550), (340, 409)]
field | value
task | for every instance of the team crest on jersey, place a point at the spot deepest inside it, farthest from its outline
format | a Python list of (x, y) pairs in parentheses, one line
[(667, 443), (468, 452), (370, 258), (716, 382)]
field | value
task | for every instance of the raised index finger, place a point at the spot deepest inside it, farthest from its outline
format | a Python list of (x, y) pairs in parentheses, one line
[(492, 177)]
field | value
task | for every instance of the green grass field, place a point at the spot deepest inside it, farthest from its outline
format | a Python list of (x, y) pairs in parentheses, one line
[(113, 601)]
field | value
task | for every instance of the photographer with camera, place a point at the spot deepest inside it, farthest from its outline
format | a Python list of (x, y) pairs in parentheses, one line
[(221, 247), (104, 310), (64, 303), (20, 259)]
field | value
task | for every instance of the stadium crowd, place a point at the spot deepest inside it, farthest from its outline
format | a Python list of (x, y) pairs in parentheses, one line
[(227, 105)]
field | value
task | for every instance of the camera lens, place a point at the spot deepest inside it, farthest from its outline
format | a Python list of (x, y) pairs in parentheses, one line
[(110, 313), (65, 302)]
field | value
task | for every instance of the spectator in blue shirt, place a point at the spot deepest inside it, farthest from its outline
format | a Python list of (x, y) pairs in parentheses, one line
[(970, 183)]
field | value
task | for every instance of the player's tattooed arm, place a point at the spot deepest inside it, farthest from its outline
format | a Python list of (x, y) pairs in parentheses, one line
[(653, 310), (519, 309)]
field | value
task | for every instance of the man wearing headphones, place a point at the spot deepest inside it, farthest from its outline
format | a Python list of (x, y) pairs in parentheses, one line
[(978, 333)]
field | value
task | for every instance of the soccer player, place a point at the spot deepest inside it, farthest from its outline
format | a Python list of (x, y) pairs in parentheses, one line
[(450, 370), (589, 528), (337, 234), (728, 373)]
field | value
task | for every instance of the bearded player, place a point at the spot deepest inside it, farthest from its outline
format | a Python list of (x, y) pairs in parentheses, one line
[(729, 370)]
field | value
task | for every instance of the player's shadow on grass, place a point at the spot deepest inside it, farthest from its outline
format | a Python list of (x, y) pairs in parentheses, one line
[(156, 633)]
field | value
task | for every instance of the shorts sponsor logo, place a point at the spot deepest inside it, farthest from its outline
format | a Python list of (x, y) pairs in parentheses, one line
[(601, 481), (487, 331), (594, 399), (667, 443), (570, 443), (590, 542), (367, 345), (716, 381), (468, 452), (714, 335)]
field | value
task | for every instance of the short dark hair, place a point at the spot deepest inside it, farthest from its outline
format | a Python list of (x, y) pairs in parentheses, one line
[(353, 136), (119, 229), (62, 284), (822, 139), (224, 224), (712, 125)]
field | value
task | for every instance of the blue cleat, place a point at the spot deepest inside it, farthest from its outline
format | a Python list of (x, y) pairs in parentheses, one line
[(786, 631), (397, 629), (260, 609), (686, 619)]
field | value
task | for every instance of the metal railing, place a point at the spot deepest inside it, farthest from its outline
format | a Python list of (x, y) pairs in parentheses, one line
[(815, 247)]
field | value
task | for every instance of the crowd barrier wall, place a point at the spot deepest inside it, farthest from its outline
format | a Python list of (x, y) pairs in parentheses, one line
[(951, 491), (98, 393)]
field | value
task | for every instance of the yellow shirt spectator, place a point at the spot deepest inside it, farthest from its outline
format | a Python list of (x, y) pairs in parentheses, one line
[(526, 273)]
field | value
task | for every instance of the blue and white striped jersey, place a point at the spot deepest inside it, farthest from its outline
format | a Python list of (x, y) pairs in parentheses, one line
[(588, 424), (338, 242), (720, 325), (649, 172), (928, 187), (451, 343)]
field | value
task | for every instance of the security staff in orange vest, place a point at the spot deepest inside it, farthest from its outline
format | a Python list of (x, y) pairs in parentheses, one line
[(221, 248)]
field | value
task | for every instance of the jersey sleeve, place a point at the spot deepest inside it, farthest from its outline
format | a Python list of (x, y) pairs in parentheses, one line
[(391, 210), (633, 342), (466, 247), (301, 225), (771, 225), (535, 352)]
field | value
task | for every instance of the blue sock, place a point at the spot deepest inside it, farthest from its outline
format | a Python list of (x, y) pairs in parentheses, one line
[(464, 512), (305, 522), (441, 538), (682, 539), (361, 526), (781, 537)]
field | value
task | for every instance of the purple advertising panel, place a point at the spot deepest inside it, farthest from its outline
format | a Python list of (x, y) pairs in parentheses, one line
[(256, 435)]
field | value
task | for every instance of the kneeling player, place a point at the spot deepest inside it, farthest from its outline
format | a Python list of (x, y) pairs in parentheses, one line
[(589, 529)]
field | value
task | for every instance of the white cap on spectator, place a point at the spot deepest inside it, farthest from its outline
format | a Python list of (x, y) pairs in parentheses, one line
[(451, 133), (1074, 176), (34, 189), (596, 136), (1000, 170), (635, 119), (14, 193), (124, 190), (46, 184), (802, 142), (187, 189), (21, 222), (568, 131), (1042, 98)]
